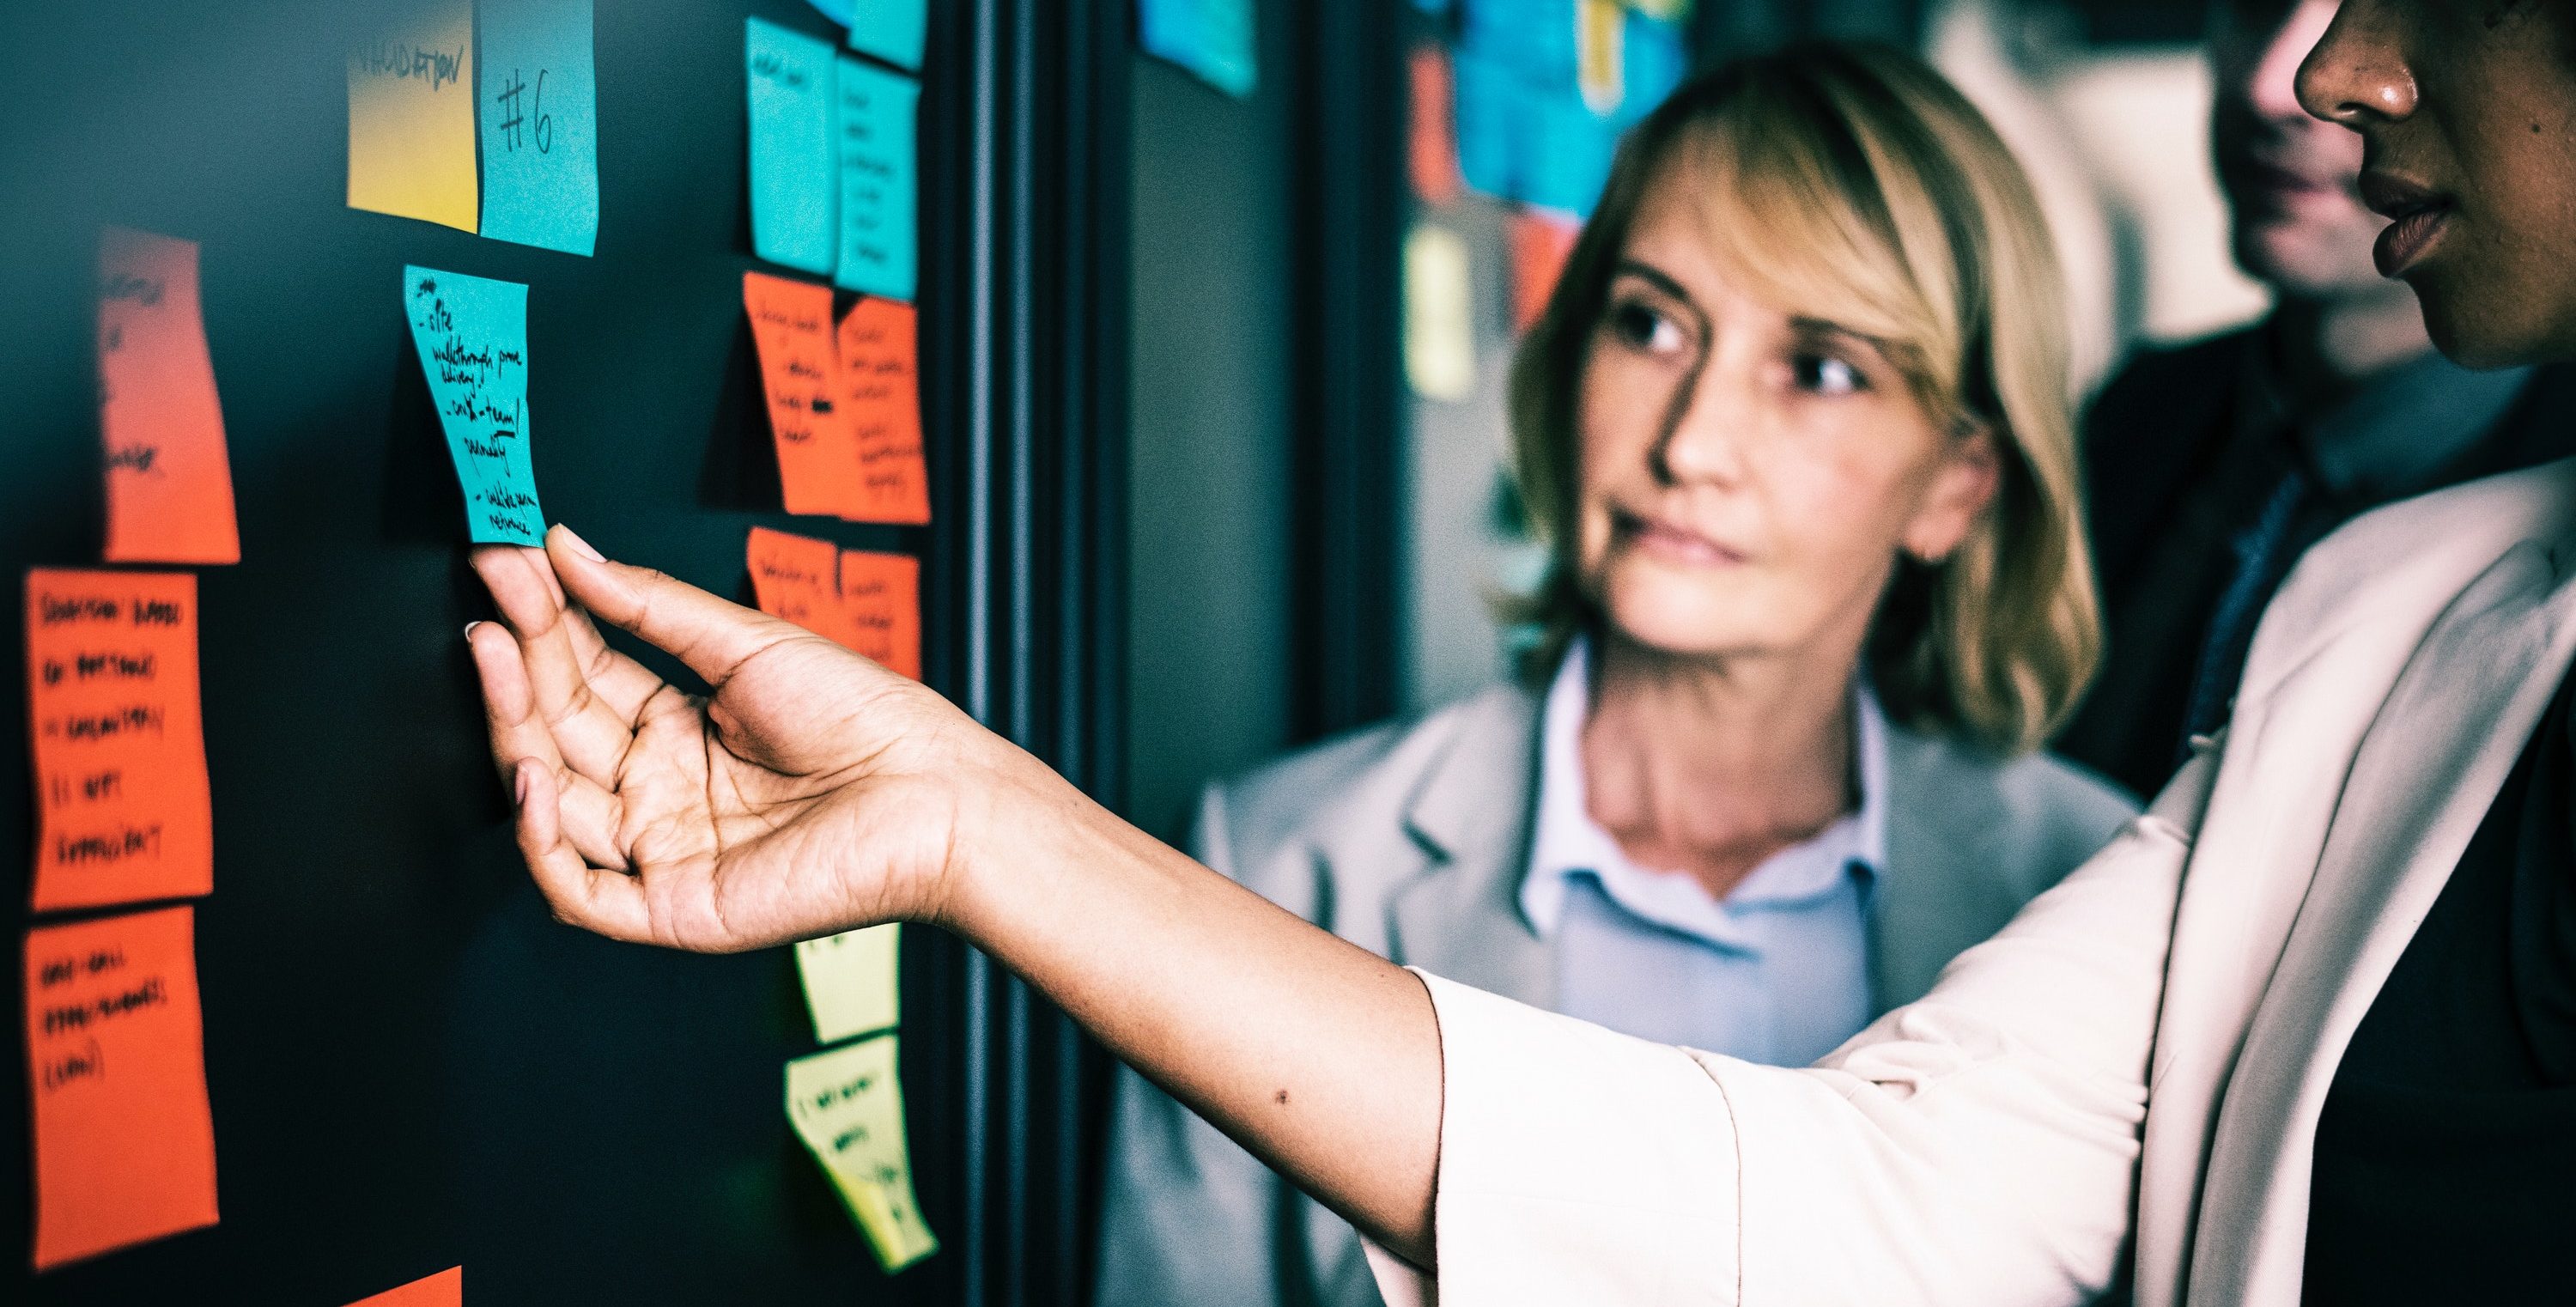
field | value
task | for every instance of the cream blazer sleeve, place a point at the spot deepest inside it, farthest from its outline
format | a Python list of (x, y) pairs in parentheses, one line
[(1977, 1147)]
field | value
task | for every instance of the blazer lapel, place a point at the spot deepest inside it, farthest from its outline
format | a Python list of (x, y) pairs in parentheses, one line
[(1943, 877), (2427, 770), (1462, 918)]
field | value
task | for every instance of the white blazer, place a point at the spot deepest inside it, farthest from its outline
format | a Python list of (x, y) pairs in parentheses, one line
[(2146, 1047)]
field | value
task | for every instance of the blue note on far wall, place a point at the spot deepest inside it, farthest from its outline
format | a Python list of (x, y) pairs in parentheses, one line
[(872, 130), (1211, 38), (472, 334), (537, 110), (793, 196), (891, 30)]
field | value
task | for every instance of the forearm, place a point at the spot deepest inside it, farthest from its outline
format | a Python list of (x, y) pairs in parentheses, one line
[(1319, 1057)]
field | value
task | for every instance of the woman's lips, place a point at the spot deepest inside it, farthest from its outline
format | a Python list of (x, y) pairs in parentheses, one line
[(1676, 544), (2404, 242)]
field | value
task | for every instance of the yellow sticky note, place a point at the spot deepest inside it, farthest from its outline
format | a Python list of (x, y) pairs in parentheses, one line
[(850, 981), (847, 1105), (1439, 315), (411, 118)]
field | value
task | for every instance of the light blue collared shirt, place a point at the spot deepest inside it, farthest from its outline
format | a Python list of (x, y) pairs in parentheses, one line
[(1777, 972)]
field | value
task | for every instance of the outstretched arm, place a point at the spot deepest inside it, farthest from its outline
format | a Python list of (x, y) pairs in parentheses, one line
[(812, 791)]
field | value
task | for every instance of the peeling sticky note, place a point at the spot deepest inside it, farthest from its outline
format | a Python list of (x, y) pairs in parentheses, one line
[(445, 1289), (891, 30), (851, 982), (169, 483), (116, 1072), (411, 118), (872, 131), (1540, 245), (1213, 39), (1439, 323), (847, 1105), (793, 193), (881, 401), (797, 578), (540, 122), (791, 330), (472, 334), (1431, 150), (123, 813), (881, 602)]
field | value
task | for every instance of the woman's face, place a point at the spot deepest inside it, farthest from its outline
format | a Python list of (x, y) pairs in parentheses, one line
[(1749, 474), (2467, 113)]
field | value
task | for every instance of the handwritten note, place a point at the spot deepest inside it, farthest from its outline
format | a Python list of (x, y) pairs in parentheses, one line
[(847, 1105), (445, 1289), (850, 981), (116, 1073), (540, 124), (1540, 245), (411, 118), (1213, 39), (169, 484), (1431, 152), (791, 330), (881, 401), (881, 602), (891, 30), (472, 334), (872, 130), (1439, 322), (793, 195), (122, 805), (797, 578)]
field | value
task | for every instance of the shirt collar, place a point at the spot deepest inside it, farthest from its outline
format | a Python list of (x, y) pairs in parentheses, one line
[(1566, 842), (2396, 431)]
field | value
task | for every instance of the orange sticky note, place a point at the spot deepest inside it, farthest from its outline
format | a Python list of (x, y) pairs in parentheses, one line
[(881, 398), (122, 808), (791, 327), (1540, 245), (169, 485), (881, 602), (1432, 154), (116, 1070), (445, 1289), (797, 578)]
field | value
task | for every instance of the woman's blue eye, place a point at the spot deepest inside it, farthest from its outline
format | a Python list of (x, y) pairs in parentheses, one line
[(1826, 375)]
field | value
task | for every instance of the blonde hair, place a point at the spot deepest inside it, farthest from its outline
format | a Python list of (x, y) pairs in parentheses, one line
[(1852, 183)]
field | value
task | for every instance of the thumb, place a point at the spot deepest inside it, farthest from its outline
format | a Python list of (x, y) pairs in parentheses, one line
[(711, 636)]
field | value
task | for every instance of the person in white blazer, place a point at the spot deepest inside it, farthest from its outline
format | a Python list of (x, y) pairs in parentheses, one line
[(2137, 1063), (1746, 804)]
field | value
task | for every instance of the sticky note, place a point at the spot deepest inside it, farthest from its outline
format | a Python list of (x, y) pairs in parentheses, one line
[(472, 334), (1439, 322), (872, 131), (123, 813), (1540, 244), (794, 195), (116, 1073), (445, 1289), (411, 117), (1431, 153), (797, 578), (1491, 105), (1566, 155), (891, 30), (881, 602), (791, 331), (881, 401), (538, 107), (1600, 50), (847, 1105), (1213, 39), (169, 483), (850, 981)]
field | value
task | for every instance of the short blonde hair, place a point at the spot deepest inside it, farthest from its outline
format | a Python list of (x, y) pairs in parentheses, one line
[(1852, 183)]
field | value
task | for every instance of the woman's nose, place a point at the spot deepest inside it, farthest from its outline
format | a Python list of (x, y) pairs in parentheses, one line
[(1703, 432), (2357, 72)]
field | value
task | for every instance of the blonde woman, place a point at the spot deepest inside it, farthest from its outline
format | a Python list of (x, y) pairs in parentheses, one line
[(1795, 428)]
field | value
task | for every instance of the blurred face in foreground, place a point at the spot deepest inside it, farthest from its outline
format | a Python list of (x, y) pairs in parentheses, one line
[(2292, 182), (1749, 472), (2467, 115)]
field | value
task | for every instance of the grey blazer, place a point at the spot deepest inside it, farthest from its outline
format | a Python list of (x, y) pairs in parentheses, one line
[(1411, 840)]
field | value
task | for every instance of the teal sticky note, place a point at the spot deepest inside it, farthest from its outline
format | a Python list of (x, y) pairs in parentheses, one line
[(793, 196), (872, 124), (1211, 38), (537, 108), (472, 334), (890, 30)]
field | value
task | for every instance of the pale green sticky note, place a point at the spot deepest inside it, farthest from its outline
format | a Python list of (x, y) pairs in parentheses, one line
[(847, 1105), (850, 982)]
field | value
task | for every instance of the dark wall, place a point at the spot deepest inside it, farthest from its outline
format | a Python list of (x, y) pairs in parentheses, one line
[(411, 1066)]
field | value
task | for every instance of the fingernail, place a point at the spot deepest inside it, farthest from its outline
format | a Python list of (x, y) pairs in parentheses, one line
[(469, 631), (579, 545), (520, 779)]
